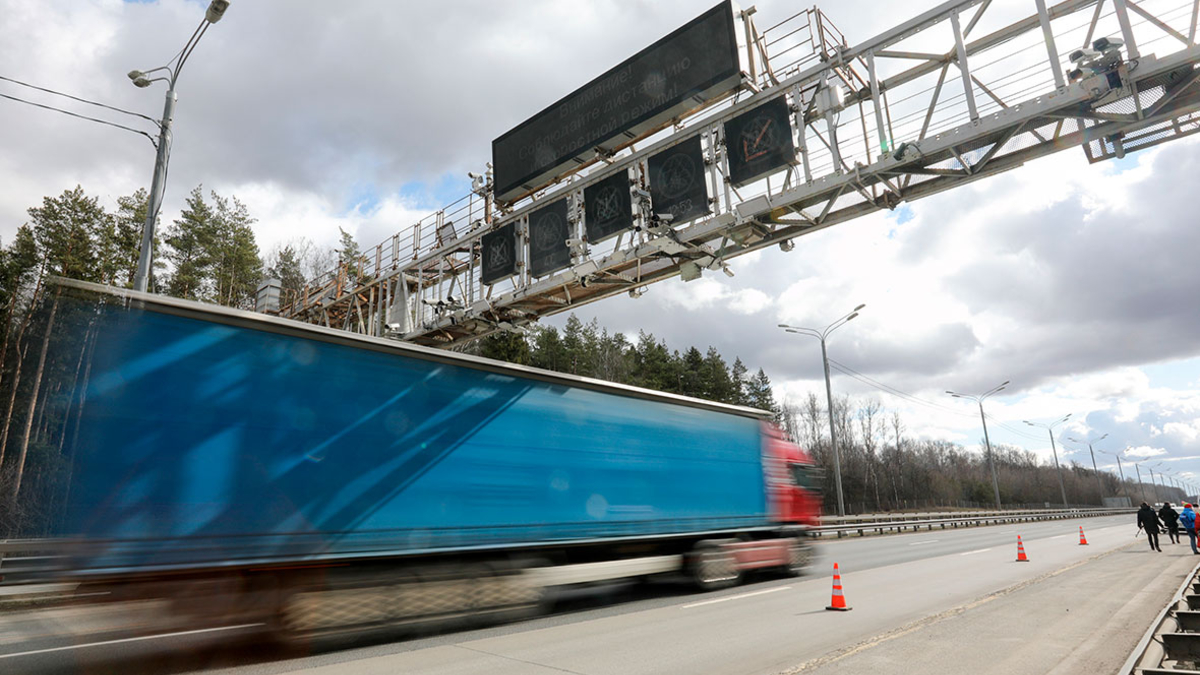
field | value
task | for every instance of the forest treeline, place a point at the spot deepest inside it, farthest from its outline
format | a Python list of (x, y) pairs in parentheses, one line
[(885, 465), (210, 254)]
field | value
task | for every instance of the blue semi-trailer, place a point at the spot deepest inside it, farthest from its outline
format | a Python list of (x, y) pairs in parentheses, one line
[(267, 469)]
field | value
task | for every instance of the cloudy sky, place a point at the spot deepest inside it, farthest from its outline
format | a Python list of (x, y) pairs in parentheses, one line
[(1076, 282)]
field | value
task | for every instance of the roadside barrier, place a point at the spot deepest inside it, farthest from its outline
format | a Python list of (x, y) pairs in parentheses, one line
[(1021, 557), (883, 523), (1172, 645), (838, 601)]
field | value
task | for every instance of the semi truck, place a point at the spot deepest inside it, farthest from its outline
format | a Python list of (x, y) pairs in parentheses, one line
[(248, 468)]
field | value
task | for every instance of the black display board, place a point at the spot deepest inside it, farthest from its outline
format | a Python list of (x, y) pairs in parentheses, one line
[(499, 254), (759, 141), (677, 182), (608, 207), (548, 233), (698, 61)]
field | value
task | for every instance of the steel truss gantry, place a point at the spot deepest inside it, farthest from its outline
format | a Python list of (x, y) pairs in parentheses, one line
[(922, 108)]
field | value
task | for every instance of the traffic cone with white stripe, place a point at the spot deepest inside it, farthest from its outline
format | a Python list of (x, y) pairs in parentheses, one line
[(1021, 551), (839, 601), (1082, 539)]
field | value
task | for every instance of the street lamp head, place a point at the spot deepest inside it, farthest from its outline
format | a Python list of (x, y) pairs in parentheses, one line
[(860, 307), (141, 82), (216, 10), (851, 316), (135, 74), (1101, 438)]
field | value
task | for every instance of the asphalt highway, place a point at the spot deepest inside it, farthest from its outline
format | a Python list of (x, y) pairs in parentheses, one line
[(771, 625)]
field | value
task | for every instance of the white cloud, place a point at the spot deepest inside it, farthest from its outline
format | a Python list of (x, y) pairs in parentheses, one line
[(1145, 451), (1066, 278)]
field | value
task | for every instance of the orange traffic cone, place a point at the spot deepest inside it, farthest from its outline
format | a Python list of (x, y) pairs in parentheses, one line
[(1021, 551), (1082, 539), (839, 601)]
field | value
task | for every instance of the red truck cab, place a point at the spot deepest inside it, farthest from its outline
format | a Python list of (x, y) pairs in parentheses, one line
[(793, 485)]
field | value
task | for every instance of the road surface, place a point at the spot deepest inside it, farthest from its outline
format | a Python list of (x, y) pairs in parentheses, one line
[(948, 600)]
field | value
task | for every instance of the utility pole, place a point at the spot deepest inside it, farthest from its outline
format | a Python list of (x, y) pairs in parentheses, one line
[(986, 440), (1050, 430), (216, 9), (1099, 487), (822, 335)]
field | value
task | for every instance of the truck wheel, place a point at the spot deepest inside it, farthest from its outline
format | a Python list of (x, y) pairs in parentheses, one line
[(713, 567), (799, 557)]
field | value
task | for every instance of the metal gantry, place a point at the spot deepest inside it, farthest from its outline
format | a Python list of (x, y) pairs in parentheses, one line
[(956, 94)]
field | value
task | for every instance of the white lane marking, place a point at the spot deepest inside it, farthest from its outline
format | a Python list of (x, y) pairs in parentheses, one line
[(979, 550), (1063, 535), (132, 639), (927, 541), (734, 597)]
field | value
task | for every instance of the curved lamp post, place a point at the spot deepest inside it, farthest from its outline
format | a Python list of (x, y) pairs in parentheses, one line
[(1050, 430), (987, 441), (216, 9), (1094, 469), (822, 335)]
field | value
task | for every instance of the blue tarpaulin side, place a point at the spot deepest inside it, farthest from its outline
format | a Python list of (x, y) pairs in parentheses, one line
[(240, 442)]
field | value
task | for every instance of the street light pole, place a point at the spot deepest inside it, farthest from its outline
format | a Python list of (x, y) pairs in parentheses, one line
[(1157, 496), (1124, 485), (1050, 430), (822, 335), (216, 9), (1099, 487), (986, 440), (1141, 485)]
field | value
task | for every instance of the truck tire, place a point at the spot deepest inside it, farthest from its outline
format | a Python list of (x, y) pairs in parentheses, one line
[(799, 557), (712, 567)]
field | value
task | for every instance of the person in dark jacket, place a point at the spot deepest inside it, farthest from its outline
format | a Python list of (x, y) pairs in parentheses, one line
[(1148, 521), (1170, 518)]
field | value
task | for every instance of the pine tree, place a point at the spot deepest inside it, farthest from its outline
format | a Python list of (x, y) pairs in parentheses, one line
[(760, 394), (506, 346), (692, 366), (548, 351), (349, 256), (189, 242), (718, 385), (123, 241), (740, 380), (236, 267), (288, 268)]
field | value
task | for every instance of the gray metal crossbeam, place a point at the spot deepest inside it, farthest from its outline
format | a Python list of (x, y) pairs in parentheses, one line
[(924, 141)]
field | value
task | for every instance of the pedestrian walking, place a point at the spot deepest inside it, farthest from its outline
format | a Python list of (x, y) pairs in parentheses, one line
[(1188, 520), (1170, 518), (1148, 521)]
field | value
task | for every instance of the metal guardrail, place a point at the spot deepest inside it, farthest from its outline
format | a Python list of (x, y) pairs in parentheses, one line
[(1172, 645), (882, 523)]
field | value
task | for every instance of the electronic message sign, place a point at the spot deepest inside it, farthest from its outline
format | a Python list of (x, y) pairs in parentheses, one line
[(499, 254), (548, 233), (759, 141), (677, 181), (608, 207), (686, 69)]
